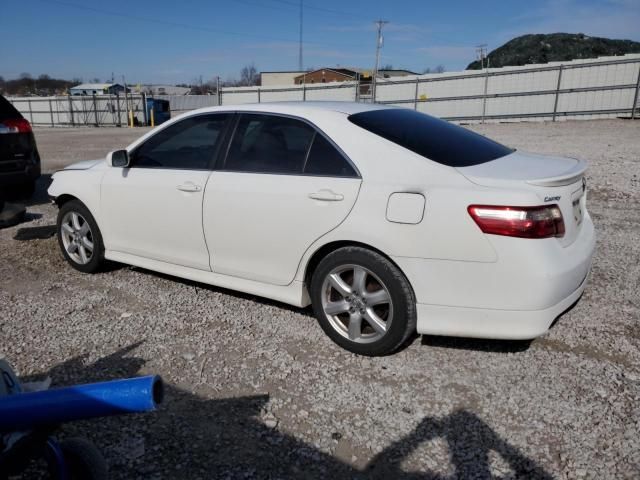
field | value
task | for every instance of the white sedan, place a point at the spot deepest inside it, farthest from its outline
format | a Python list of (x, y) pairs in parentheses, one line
[(386, 220)]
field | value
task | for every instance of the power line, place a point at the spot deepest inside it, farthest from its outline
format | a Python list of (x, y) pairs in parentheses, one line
[(186, 25), (320, 9)]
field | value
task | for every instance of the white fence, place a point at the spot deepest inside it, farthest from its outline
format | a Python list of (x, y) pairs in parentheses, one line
[(100, 110), (335, 91), (593, 88)]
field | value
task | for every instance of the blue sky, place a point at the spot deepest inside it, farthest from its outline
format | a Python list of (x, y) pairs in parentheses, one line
[(163, 41)]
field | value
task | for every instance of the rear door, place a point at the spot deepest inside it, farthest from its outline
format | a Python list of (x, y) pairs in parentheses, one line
[(282, 185)]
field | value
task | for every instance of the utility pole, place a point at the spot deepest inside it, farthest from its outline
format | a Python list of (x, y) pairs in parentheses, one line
[(482, 53), (379, 41), (481, 50), (300, 62), (126, 101)]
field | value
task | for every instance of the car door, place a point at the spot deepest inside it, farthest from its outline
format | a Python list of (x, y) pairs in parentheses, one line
[(153, 208), (282, 185)]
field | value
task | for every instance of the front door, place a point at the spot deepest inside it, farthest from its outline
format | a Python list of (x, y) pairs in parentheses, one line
[(153, 209)]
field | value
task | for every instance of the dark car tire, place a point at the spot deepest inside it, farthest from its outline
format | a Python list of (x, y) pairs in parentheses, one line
[(83, 460), (96, 260), (380, 274)]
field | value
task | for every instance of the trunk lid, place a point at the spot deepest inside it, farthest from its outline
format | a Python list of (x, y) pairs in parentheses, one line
[(555, 180)]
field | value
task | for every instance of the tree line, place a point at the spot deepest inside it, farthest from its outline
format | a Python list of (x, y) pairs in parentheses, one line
[(44, 85)]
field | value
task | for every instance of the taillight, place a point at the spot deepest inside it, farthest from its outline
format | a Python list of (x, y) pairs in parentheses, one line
[(15, 125), (524, 222)]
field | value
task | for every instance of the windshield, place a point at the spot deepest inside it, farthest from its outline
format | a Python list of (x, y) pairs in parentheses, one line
[(435, 139)]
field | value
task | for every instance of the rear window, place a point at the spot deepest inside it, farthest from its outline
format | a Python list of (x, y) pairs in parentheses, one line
[(435, 139), (7, 110)]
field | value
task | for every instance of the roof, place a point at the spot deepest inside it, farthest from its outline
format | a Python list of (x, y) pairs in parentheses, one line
[(400, 70), (284, 71), (348, 108), (347, 72), (94, 86)]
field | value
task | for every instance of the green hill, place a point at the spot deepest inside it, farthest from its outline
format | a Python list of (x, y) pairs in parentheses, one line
[(555, 47)]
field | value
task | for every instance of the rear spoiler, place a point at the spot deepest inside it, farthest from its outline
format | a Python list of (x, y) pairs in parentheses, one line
[(572, 176)]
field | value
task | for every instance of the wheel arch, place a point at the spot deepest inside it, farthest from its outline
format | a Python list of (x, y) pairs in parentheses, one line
[(65, 198), (327, 248)]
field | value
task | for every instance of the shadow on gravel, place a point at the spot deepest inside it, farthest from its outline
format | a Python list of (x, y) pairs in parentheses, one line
[(193, 437), (232, 293), (477, 344), (39, 196), (35, 233)]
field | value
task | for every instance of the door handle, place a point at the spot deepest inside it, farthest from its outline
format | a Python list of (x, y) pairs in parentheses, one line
[(326, 196), (189, 187)]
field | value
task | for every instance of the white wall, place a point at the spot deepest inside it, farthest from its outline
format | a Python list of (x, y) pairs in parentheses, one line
[(270, 79)]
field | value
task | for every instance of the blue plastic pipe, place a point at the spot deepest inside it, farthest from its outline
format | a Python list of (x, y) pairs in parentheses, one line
[(28, 411)]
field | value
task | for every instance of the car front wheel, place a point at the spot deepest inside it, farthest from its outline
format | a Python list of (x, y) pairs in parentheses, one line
[(79, 237), (363, 301)]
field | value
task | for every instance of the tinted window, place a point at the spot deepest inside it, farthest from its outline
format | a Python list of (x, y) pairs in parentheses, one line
[(269, 144), (325, 159), (7, 110), (435, 139), (189, 144)]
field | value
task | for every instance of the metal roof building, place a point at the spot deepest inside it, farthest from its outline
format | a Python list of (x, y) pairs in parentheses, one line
[(97, 89)]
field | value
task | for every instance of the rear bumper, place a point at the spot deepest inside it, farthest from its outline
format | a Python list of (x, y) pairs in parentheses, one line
[(17, 177), (487, 323), (517, 297)]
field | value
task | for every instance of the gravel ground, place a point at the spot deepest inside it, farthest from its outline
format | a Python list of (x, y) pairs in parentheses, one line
[(256, 390)]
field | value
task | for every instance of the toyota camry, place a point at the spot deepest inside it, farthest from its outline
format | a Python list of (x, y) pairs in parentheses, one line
[(387, 221)]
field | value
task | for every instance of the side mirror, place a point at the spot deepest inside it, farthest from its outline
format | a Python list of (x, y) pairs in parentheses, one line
[(118, 158)]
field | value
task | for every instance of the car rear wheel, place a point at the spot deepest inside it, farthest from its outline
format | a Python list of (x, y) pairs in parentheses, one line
[(363, 301), (79, 237)]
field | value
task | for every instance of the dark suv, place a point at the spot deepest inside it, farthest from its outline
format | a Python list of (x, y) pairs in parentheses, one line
[(19, 158)]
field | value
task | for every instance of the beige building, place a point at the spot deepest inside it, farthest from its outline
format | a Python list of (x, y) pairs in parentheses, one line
[(271, 79)]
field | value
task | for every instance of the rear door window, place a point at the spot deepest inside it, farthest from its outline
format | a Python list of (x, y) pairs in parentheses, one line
[(435, 139), (269, 144), (325, 159)]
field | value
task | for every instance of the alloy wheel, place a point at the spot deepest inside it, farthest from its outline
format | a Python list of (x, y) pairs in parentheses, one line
[(77, 237), (357, 303)]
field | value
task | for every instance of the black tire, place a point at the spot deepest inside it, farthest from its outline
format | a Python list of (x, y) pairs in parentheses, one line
[(96, 260), (401, 308), (83, 460)]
